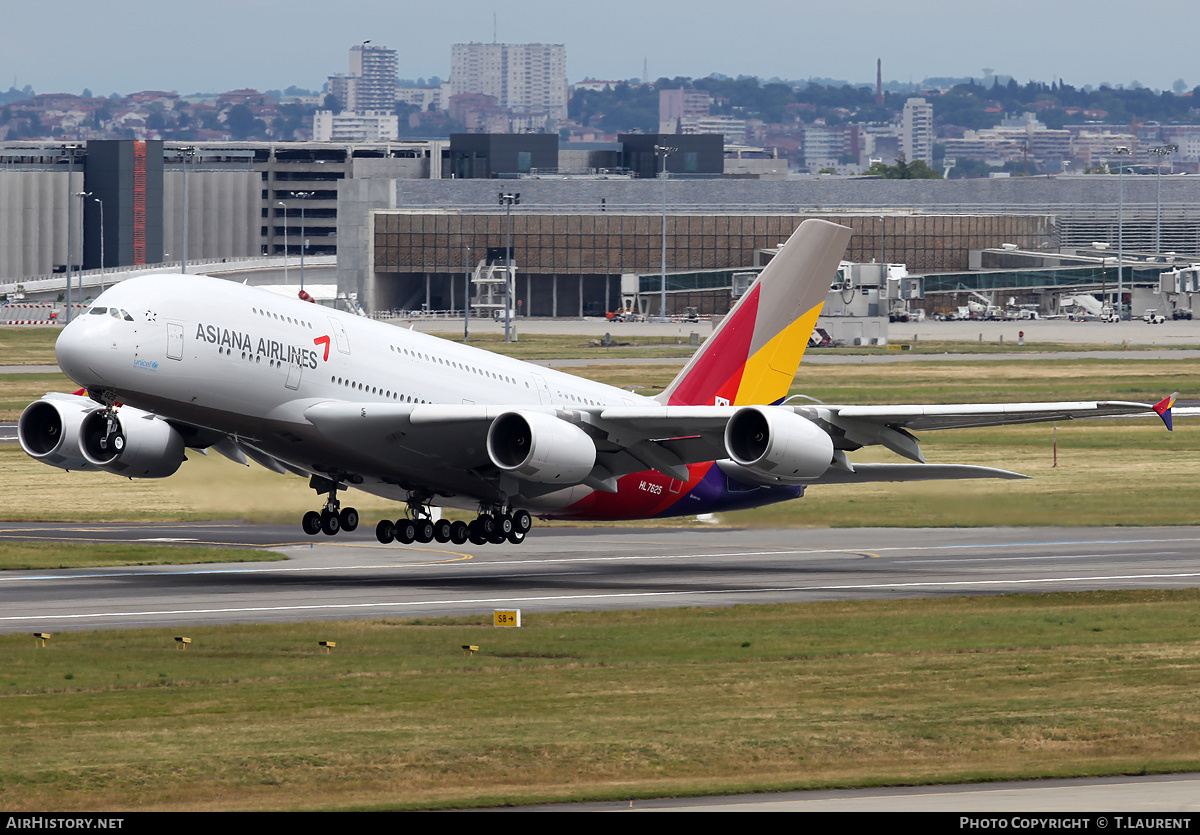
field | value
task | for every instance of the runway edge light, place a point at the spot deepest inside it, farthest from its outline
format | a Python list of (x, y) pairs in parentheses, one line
[(506, 617)]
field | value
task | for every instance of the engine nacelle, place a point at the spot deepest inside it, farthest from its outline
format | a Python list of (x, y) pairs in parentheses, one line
[(138, 445), (49, 430), (540, 447), (778, 444)]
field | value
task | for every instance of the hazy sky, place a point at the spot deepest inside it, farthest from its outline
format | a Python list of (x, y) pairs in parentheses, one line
[(216, 45)]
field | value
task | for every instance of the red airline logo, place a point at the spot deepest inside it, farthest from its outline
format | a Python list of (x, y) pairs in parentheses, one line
[(323, 340)]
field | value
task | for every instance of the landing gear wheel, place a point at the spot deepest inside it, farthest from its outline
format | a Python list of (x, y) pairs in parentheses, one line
[(486, 526), (516, 537), (498, 536), (311, 523), (385, 532), (424, 530), (406, 531), (475, 533), (348, 518), (522, 521), (458, 532), (330, 524), (441, 530), (504, 523)]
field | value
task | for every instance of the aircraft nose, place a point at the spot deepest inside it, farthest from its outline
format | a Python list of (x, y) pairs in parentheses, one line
[(72, 351)]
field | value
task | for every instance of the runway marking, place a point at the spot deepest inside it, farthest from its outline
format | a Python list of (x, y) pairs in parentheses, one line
[(464, 557), (492, 601), (1042, 557)]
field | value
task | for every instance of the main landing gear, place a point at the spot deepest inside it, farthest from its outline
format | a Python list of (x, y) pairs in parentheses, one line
[(495, 527), (333, 517)]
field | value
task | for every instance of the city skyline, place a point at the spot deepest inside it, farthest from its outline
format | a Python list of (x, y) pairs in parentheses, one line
[(231, 46)]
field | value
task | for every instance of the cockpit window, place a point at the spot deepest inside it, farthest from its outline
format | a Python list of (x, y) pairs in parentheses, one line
[(98, 311), (127, 317)]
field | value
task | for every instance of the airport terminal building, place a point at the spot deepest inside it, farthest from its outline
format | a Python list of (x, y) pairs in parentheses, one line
[(411, 222)]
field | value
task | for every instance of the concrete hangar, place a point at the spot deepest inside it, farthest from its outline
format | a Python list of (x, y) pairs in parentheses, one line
[(401, 216), (580, 243)]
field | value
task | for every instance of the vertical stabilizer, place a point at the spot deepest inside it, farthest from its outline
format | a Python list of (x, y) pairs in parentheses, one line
[(753, 354)]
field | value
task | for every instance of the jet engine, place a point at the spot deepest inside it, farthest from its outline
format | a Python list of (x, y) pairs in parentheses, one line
[(49, 430), (540, 447), (135, 444), (777, 445)]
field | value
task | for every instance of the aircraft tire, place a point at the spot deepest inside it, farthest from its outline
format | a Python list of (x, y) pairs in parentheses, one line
[(504, 523), (459, 532), (424, 531), (516, 537), (348, 518), (498, 536), (311, 523), (330, 524), (406, 531), (441, 530), (385, 531), (522, 521), (486, 526)]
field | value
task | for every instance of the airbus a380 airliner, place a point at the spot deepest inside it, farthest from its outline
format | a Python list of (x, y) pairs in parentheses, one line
[(172, 362)]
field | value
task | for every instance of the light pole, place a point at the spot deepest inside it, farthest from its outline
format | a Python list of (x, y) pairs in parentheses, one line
[(1120, 233), (663, 152), (100, 203), (285, 241), (70, 151), (83, 196), (467, 296), (508, 201), (1160, 152), (303, 195), (187, 154)]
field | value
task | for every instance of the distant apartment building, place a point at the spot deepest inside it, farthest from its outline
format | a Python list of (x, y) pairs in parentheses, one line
[(1014, 140), (425, 98), (916, 131), (371, 82), (371, 126), (525, 78), (838, 147), (674, 106)]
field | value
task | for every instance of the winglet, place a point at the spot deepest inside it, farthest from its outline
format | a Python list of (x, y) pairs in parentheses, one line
[(1163, 408)]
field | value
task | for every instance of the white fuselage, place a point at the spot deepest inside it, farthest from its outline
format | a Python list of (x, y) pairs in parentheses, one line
[(247, 363)]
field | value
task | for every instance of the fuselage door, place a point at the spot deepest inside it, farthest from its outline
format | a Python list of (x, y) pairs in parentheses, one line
[(174, 341), (293, 377), (543, 390), (339, 335)]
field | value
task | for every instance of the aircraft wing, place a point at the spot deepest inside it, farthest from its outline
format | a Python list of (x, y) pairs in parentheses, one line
[(433, 441), (891, 426), (625, 439), (919, 418)]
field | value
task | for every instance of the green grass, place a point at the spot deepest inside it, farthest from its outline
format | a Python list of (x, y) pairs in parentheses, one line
[(28, 345), (599, 705), (34, 555)]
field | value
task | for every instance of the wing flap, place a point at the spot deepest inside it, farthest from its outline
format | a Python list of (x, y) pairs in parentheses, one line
[(911, 472)]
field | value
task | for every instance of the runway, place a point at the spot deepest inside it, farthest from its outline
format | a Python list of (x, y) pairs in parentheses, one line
[(558, 569)]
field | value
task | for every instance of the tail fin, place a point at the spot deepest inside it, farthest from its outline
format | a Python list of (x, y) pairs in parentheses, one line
[(753, 355)]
